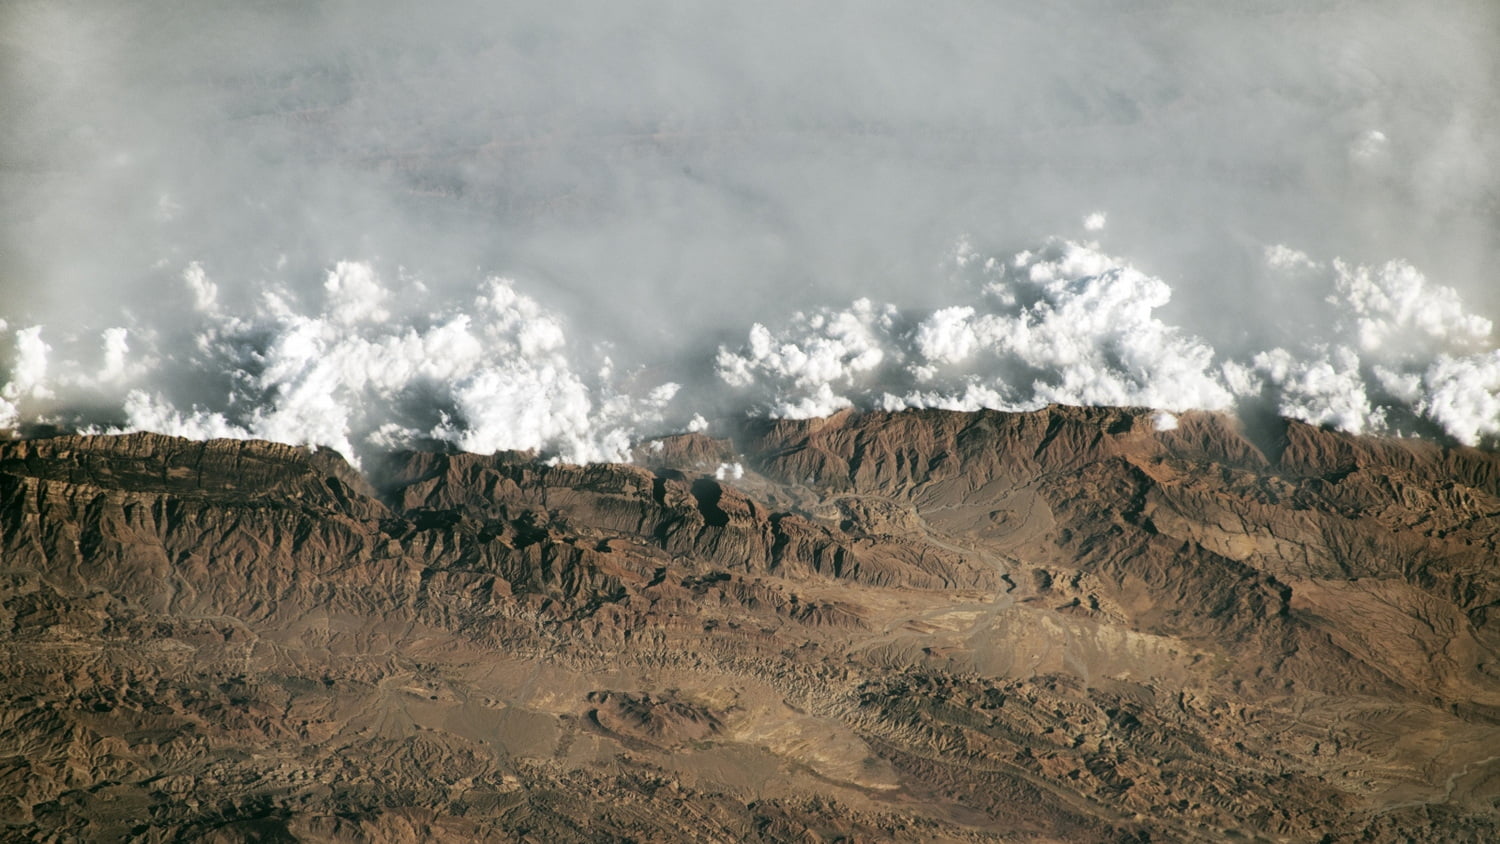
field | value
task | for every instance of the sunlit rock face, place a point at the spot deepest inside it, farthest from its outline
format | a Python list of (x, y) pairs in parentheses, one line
[(1077, 624)]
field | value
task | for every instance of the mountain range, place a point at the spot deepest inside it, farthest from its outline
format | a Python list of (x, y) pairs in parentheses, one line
[(1066, 625)]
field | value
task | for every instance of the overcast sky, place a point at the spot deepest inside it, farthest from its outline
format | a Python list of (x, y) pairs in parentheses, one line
[(661, 176)]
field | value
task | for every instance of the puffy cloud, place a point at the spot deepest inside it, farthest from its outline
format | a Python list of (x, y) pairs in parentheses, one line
[(1397, 345), (1286, 259), (1462, 395), (1395, 310), (28, 374), (44, 381), (354, 295), (949, 336), (1091, 328), (364, 367), (1066, 324), (205, 293), (116, 348), (151, 412), (1326, 389), (1070, 324), (818, 352), (350, 376)]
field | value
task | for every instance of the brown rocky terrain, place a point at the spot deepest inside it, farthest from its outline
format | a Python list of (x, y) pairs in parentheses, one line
[(925, 626)]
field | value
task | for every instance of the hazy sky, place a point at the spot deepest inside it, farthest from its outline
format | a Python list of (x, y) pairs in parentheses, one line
[(658, 177)]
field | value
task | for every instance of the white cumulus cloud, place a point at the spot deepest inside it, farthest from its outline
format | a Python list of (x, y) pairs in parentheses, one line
[(1395, 310), (1066, 324), (367, 364), (351, 376), (28, 374), (1070, 324)]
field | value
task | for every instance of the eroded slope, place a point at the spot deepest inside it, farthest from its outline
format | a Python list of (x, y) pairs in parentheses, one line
[(1063, 625)]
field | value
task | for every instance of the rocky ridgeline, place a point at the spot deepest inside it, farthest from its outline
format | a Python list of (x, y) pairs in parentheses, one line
[(1063, 625)]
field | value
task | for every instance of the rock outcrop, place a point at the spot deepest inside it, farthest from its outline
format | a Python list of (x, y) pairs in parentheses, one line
[(1063, 625)]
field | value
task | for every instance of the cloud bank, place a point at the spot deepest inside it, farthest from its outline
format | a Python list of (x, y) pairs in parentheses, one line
[(361, 368), (342, 372), (1069, 324), (280, 219)]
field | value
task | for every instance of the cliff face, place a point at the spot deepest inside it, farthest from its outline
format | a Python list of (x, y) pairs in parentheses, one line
[(1063, 625)]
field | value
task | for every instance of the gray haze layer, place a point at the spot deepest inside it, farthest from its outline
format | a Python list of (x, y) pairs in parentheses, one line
[(662, 175)]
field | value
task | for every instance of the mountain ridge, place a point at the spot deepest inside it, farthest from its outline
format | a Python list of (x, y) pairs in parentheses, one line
[(926, 625)]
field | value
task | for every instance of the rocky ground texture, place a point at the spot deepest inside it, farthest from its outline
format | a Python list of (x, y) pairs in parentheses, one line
[(925, 626)]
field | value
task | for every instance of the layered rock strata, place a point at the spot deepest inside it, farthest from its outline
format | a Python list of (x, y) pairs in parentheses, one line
[(1057, 626)]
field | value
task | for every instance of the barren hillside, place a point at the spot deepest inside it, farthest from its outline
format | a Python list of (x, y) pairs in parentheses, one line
[(1057, 626)]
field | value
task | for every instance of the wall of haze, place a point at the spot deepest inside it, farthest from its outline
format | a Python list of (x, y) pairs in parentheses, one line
[(566, 225)]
